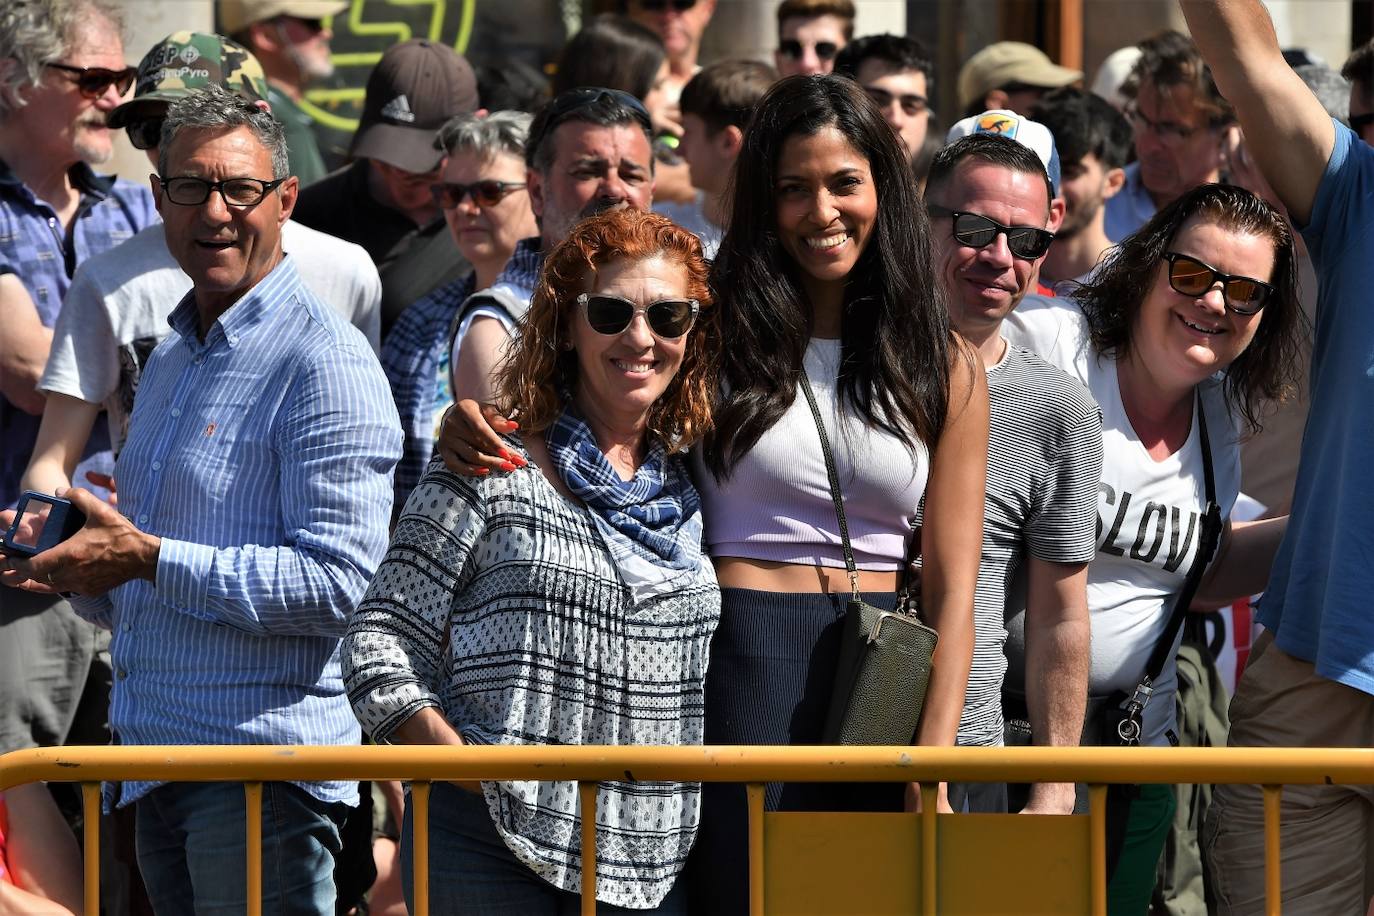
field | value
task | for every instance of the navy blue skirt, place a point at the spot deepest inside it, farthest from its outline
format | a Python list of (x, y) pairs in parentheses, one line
[(771, 674)]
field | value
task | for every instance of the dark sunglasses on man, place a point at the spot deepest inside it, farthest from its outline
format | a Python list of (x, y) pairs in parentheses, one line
[(668, 319), (658, 6), (92, 82), (485, 193), (791, 47), (977, 231), (146, 133), (1191, 277)]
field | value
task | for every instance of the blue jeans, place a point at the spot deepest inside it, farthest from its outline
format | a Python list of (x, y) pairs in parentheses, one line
[(472, 871), (191, 840)]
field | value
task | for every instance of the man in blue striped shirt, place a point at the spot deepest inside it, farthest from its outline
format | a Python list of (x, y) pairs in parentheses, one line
[(255, 487)]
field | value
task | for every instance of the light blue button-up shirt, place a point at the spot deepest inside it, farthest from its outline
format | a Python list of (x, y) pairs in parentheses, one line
[(262, 457), (1131, 208)]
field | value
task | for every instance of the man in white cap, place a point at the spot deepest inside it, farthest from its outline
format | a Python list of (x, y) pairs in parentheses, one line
[(993, 200), (1009, 75), (291, 41), (382, 201)]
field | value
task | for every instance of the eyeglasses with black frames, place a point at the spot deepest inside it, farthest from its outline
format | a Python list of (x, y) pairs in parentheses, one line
[(668, 319), (978, 231), (658, 6), (92, 82), (188, 191), (912, 104), (485, 193), (1191, 277)]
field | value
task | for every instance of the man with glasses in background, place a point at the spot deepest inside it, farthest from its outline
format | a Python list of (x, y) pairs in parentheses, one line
[(62, 72), (1180, 122), (255, 492), (810, 34), (290, 40), (898, 74)]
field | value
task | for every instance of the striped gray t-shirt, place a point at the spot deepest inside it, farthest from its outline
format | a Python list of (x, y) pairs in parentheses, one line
[(1044, 461)]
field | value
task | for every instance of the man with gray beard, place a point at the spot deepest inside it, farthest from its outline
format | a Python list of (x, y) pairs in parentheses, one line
[(589, 150), (62, 71)]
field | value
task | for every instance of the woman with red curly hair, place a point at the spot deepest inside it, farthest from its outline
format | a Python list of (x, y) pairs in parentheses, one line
[(568, 602)]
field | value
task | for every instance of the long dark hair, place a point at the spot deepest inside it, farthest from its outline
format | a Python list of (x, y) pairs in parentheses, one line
[(1111, 300), (895, 339)]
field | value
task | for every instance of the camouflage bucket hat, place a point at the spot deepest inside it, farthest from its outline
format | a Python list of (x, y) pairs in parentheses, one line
[(185, 62)]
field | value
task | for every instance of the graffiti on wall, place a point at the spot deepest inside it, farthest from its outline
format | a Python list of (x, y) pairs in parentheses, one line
[(365, 31), (487, 33)]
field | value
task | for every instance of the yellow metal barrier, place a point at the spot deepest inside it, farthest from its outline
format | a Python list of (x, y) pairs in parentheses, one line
[(789, 852)]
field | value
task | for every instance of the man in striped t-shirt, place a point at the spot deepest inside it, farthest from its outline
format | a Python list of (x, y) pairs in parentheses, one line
[(255, 487), (990, 201)]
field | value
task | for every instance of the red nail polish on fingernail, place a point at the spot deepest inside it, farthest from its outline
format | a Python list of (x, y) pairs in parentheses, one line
[(482, 472), (513, 424), (507, 466), (507, 455)]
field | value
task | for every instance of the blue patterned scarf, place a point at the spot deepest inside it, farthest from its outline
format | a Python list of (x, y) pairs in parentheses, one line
[(651, 524)]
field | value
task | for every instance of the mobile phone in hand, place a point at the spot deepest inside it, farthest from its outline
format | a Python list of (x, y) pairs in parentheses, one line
[(41, 521)]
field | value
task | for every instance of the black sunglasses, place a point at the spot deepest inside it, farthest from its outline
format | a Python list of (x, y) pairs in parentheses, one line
[(485, 193), (658, 6), (1191, 277), (189, 191), (145, 134), (569, 102), (977, 231), (93, 81), (792, 48), (311, 24), (668, 319)]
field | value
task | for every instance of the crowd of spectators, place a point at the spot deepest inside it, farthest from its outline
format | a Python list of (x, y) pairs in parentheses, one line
[(578, 413)]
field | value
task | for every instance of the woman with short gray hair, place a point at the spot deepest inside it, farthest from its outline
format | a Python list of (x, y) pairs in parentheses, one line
[(487, 208)]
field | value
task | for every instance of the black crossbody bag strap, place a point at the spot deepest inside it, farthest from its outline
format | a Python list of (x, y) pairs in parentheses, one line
[(838, 500), (1208, 539)]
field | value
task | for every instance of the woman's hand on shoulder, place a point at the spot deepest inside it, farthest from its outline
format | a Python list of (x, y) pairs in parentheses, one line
[(470, 440)]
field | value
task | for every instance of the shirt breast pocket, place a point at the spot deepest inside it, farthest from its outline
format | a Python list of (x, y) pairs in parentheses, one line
[(217, 446)]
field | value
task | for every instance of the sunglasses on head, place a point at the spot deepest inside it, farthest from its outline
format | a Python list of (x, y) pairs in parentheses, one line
[(977, 231), (668, 319), (486, 193), (569, 102), (658, 6), (792, 48), (92, 82), (1191, 277), (145, 134)]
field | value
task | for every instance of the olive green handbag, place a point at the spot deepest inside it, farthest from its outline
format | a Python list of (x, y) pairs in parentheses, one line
[(885, 656)]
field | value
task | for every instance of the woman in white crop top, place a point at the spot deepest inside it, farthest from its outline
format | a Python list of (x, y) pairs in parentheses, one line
[(826, 267)]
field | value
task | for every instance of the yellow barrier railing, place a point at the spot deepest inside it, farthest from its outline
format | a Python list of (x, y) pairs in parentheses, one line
[(1270, 768)]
